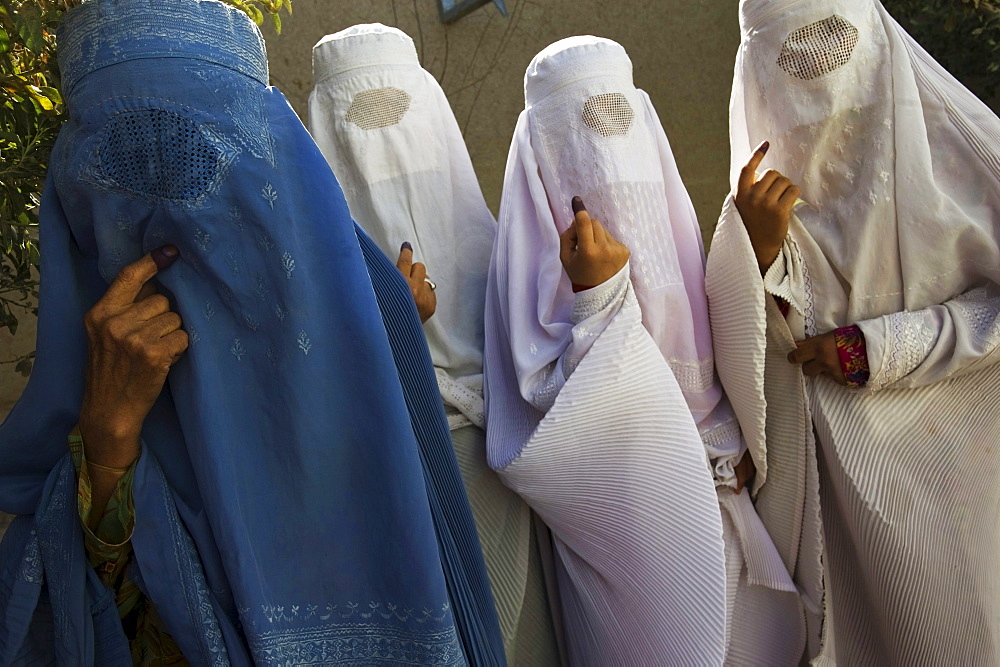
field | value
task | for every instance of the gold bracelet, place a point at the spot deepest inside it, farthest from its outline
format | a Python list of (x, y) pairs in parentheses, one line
[(120, 471)]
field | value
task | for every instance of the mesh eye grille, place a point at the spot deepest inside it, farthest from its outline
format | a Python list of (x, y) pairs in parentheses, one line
[(159, 154), (818, 48), (379, 107), (609, 114)]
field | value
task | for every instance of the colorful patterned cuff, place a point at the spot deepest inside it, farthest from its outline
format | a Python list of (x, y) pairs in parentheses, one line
[(853, 354)]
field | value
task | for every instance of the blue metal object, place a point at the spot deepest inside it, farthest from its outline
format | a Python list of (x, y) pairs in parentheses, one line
[(452, 10)]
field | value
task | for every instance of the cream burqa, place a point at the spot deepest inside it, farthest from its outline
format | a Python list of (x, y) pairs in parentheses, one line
[(385, 126), (899, 167), (603, 408)]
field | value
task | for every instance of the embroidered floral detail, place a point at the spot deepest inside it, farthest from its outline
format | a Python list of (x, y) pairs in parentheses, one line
[(980, 308), (533, 348), (908, 341), (202, 239), (272, 353), (288, 265), (232, 262), (31, 564), (279, 312), (209, 310), (251, 323), (693, 375), (304, 343), (853, 354), (236, 218), (269, 194), (720, 434), (264, 241), (261, 287), (193, 335), (238, 349), (123, 223)]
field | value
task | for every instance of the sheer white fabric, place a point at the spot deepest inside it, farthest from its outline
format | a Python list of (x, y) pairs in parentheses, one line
[(899, 166), (387, 130), (566, 406)]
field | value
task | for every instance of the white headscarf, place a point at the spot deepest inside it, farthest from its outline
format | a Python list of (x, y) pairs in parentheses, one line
[(897, 161), (594, 134), (608, 454), (387, 130)]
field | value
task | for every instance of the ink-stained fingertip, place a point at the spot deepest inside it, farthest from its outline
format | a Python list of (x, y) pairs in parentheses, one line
[(164, 256), (406, 246), (578, 205)]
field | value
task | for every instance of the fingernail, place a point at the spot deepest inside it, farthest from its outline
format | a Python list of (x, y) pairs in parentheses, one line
[(578, 205), (165, 256), (406, 246), (764, 146)]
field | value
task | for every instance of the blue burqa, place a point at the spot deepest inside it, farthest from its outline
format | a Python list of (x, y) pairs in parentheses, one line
[(297, 500)]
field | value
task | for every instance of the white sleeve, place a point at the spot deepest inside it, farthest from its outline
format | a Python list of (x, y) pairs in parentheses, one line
[(918, 348), (593, 310), (783, 278)]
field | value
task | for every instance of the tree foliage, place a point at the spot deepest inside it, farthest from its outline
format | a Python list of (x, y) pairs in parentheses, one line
[(962, 35), (32, 110)]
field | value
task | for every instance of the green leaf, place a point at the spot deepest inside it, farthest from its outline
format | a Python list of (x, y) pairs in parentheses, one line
[(255, 14), (28, 20), (276, 19), (4, 41)]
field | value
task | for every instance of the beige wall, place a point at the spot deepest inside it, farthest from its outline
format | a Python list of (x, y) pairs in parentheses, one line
[(682, 52)]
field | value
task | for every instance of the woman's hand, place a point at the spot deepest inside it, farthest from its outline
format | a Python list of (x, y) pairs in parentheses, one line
[(818, 356), (134, 339), (765, 206), (421, 286), (588, 252)]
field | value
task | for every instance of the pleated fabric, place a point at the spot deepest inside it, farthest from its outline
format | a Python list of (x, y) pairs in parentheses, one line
[(462, 556), (634, 517), (385, 127), (511, 550), (898, 234)]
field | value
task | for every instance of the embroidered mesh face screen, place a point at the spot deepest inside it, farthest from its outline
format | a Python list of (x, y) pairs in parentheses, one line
[(376, 108), (387, 130), (896, 160), (818, 48), (595, 135)]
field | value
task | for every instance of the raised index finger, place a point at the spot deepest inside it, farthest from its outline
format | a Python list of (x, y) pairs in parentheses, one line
[(405, 260), (584, 226), (750, 169), (130, 280)]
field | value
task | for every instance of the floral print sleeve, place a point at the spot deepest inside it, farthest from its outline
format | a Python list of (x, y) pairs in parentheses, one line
[(853, 355), (109, 551)]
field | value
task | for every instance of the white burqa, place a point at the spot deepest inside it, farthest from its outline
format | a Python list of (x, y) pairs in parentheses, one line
[(899, 167), (387, 130), (603, 408)]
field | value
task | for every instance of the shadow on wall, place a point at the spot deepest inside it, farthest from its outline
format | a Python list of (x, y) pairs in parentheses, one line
[(683, 55)]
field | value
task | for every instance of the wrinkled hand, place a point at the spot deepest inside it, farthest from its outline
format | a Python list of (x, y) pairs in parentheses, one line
[(818, 356), (745, 471), (134, 339), (765, 206), (588, 252), (415, 274)]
